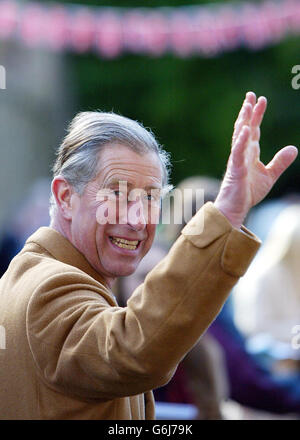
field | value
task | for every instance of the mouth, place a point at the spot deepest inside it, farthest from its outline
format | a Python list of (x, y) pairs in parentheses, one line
[(125, 244)]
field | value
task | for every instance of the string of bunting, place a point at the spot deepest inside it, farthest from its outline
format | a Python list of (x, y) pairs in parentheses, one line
[(204, 30)]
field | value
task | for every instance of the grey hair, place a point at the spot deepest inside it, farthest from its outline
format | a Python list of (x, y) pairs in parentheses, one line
[(88, 134)]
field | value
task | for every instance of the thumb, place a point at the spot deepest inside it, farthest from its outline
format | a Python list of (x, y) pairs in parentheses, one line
[(281, 161)]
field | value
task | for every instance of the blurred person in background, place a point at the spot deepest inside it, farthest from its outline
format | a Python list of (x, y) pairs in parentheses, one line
[(72, 352), (251, 382), (272, 294), (31, 213), (200, 378)]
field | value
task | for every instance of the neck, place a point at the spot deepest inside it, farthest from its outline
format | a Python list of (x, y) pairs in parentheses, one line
[(60, 227)]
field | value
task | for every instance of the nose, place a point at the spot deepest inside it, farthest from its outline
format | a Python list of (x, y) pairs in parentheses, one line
[(136, 216)]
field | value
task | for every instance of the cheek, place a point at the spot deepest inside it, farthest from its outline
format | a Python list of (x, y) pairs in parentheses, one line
[(154, 214), (106, 212), (151, 229), (84, 224), (101, 243)]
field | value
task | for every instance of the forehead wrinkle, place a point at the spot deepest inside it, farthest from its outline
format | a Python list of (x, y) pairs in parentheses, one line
[(115, 175), (134, 168)]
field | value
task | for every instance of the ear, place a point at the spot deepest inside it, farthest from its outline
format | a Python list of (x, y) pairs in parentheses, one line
[(62, 191)]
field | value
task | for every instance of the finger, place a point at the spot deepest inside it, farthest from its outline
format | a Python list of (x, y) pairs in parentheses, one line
[(245, 114), (257, 117), (243, 119), (251, 98), (240, 146), (281, 161)]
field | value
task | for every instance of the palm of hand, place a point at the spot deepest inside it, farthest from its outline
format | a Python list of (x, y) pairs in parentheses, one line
[(259, 181), (247, 180)]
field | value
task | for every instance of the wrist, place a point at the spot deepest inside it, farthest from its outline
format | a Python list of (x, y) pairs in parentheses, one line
[(235, 219)]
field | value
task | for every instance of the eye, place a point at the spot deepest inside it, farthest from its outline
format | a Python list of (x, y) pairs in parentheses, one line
[(117, 193), (150, 197), (153, 196)]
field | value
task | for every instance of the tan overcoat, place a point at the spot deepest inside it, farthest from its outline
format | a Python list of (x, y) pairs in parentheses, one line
[(70, 352)]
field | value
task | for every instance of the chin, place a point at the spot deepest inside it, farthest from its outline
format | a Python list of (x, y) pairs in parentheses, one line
[(125, 272)]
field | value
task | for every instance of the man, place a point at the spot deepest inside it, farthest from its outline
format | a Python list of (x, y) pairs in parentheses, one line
[(70, 351)]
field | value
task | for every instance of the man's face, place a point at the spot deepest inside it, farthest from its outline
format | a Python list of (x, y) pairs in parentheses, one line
[(115, 233)]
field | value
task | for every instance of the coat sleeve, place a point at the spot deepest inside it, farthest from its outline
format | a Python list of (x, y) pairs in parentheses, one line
[(85, 347)]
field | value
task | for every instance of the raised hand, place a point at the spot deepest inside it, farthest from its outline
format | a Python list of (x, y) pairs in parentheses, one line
[(247, 180)]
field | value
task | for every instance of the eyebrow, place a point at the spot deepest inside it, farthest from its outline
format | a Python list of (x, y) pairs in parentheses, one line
[(115, 181)]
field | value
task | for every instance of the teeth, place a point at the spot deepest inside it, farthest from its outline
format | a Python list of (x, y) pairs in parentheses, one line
[(125, 244), (122, 240)]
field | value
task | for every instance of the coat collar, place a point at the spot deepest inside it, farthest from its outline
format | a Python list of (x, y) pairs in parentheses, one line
[(63, 250)]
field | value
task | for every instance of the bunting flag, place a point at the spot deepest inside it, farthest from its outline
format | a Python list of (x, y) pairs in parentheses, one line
[(205, 30)]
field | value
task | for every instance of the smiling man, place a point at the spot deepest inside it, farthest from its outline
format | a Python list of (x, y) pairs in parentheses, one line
[(71, 352), (123, 187)]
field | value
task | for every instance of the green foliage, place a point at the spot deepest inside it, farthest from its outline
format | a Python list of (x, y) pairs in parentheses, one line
[(191, 103)]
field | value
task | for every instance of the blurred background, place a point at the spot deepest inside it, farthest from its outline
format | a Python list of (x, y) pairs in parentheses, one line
[(180, 67)]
